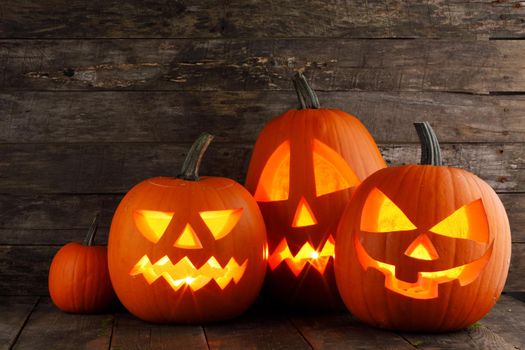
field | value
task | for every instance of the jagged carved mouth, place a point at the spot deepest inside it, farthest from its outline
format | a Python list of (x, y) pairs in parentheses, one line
[(426, 286), (184, 273), (306, 255)]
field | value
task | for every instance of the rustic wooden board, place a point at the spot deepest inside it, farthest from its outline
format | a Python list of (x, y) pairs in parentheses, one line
[(507, 319), (50, 328), (56, 219), (263, 64), (164, 18), (341, 331), (262, 327), (517, 269), (116, 167), (25, 269), (132, 333), (139, 116), (475, 337), (14, 312)]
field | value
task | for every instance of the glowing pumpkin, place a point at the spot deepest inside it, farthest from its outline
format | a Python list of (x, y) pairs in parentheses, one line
[(303, 170), (422, 247), (79, 278), (187, 249)]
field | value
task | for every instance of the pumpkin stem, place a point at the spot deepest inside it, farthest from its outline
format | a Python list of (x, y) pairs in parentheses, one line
[(192, 163), (305, 94), (90, 237), (430, 151)]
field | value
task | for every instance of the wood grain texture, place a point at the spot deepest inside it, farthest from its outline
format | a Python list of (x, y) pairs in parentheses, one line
[(164, 18), (341, 331), (14, 312), (116, 167), (238, 116), (261, 327), (507, 319), (132, 333), (55, 219), (517, 270), (263, 64), (50, 328), (474, 337)]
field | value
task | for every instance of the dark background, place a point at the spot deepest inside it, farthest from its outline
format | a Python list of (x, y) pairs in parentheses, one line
[(98, 95)]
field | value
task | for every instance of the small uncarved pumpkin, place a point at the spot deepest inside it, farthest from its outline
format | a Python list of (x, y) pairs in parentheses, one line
[(187, 248), (79, 278), (304, 168), (422, 247)]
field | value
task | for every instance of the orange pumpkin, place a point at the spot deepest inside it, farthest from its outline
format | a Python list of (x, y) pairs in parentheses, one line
[(187, 248), (78, 276), (422, 247), (304, 168)]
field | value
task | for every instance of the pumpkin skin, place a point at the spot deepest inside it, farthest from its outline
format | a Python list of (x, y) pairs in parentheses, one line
[(320, 156), (154, 298), (422, 248), (79, 278)]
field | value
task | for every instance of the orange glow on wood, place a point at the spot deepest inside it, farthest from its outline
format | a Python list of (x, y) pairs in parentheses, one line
[(274, 183), (184, 273), (467, 222), (303, 215), (426, 286), (422, 248), (188, 239), (331, 171), (221, 222), (380, 214), (307, 254), (151, 223)]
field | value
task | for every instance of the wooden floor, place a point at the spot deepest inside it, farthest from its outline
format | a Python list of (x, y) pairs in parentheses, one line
[(34, 323)]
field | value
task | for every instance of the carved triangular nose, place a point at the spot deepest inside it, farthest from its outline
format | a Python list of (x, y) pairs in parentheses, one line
[(422, 248), (188, 239), (303, 215)]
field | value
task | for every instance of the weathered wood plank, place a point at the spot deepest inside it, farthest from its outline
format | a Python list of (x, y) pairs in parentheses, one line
[(53, 219), (516, 278), (474, 337), (263, 64), (110, 116), (378, 19), (132, 333), (115, 168), (25, 269), (56, 219), (341, 331), (14, 312), (507, 319), (50, 328), (262, 327)]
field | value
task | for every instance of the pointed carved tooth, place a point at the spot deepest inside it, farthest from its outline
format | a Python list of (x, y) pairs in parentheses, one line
[(194, 278), (307, 254)]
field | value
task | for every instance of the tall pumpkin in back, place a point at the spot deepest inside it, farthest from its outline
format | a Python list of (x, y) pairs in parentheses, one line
[(422, 247), (303, 171)]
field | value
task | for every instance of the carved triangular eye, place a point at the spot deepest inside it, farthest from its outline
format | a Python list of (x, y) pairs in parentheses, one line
[(331, 171), (380, 214), (221, 222), (274, 183), (151, 223), (467, 222)]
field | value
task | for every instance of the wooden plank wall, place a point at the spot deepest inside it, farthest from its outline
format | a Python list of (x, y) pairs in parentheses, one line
[(97, 95)]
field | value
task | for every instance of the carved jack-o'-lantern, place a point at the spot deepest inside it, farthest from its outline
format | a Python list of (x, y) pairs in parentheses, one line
[(422, 247), (187, 249), (303, 171)]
